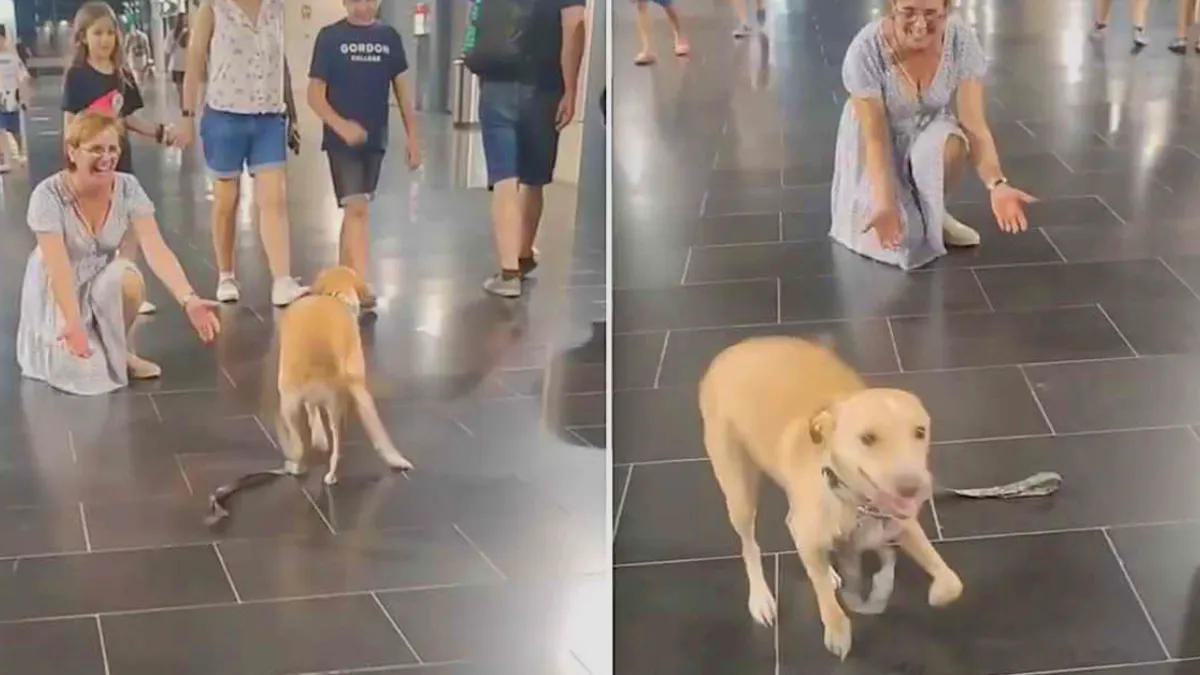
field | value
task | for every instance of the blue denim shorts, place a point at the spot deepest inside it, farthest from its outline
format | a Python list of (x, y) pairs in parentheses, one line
[(233, 141), (11, 122), (519, 136)]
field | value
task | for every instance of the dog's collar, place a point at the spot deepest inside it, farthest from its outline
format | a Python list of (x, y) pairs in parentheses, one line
[(351, 301), (841, 490)]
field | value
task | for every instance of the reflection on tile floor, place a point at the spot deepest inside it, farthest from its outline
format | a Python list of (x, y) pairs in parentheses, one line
[(108, 565), (1072, 348)]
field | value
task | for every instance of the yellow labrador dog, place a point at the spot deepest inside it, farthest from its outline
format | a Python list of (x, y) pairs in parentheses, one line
[(321, 365), (852, 460)]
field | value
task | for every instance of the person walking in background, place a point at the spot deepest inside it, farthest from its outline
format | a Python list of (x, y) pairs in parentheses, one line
[(355, 62), (646, 56), (527, 96), (15, 93), (99, 80), (1184, 18), (235, 51), (177, 61), (1137, 15)]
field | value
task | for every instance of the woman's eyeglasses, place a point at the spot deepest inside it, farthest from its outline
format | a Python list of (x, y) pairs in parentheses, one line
[(102, 150), (909, 16)]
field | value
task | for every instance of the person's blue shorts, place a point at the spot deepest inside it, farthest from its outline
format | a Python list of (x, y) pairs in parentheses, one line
[(519, 135), (11, 122), (233, 141)]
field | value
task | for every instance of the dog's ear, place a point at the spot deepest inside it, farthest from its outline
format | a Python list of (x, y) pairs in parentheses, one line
[(820, 425)]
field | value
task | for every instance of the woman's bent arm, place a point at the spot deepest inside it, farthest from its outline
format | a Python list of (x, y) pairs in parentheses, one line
[(877, 142), (972, 116), (161, 259), (62, 277)]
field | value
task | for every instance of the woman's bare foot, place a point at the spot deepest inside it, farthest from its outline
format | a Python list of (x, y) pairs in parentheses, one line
[(645, 58), (141, 369)]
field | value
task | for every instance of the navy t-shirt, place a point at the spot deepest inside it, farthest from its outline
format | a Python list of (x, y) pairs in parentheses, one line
[(543, 42), (358, 64)]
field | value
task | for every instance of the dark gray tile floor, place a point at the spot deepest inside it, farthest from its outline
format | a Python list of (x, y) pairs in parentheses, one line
[(109, 569), (1072, 348)]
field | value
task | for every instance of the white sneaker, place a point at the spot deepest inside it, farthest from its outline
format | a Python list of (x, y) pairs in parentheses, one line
[(286, 290), (956, 234), (147, 308), (227, 290)]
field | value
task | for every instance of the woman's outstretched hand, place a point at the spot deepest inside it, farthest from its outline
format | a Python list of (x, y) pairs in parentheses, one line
[(75, 339), (203, 315), (887, 226), (1008, 205)]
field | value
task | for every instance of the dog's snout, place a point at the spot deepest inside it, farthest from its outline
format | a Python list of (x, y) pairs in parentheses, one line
[(909, 487)]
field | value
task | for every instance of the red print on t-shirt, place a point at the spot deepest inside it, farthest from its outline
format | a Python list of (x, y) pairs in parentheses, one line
[(109, 103)]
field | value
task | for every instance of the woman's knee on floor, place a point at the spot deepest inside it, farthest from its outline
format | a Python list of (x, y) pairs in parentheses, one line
[(955, 152)]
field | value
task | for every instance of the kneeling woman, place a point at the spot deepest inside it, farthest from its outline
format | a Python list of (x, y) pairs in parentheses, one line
[(80, 299), (900, 145)]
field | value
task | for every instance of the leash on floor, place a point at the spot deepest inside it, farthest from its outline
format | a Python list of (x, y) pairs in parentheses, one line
[(1040, 484), (218, 501)]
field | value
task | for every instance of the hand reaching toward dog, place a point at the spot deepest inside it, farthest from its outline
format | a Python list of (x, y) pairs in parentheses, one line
[(203, 316)]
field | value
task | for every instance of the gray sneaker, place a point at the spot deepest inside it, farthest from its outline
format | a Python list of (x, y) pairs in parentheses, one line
[(505, 288)]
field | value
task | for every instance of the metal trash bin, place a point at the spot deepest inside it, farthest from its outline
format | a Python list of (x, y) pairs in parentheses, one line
[(464, 95)]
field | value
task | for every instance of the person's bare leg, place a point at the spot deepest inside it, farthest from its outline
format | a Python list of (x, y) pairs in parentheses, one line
[(682, 47), (1103, 10), (532, 203), (133, 294), (646, 56), (739, 10), (954, 232), (354, 236), (508, 232), (270, 189), (1137, 12), (226, 192), (1184, 19)]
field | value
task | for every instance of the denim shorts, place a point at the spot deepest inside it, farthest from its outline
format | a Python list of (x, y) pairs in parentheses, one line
[(233, 141), (355, 172), (519, 135), (11, 122)]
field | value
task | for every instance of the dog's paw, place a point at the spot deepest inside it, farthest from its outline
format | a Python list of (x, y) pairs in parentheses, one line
[(945, 589), (331, 478), (762, 607), (838, 635), (397, 461), (294, 468)]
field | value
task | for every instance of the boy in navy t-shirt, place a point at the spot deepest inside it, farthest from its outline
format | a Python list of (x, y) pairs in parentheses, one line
[(355, 63)]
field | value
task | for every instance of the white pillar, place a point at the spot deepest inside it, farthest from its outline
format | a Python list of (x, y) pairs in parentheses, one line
[(157, 41)]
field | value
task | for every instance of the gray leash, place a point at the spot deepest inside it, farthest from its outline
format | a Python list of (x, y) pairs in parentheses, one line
[(1038, 485), (218, 501)]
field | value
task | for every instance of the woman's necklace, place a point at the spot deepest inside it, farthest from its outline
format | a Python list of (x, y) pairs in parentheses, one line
[(890, 42)]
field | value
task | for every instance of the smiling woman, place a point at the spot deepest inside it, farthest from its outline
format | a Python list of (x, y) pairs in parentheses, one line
[(79, 299), (900, 143)]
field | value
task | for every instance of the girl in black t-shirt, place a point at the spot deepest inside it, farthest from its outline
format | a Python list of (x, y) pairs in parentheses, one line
[(98, 79)]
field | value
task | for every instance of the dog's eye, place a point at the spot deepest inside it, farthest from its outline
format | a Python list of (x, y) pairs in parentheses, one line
[(921, 433), (868, 439)]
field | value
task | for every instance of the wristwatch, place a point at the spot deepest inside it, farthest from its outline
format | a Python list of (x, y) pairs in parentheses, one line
[(997, 183)]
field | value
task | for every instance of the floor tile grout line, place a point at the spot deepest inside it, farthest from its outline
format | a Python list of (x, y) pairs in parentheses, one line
[(103, 645), (778, 301), (1117, 328), (1090, 670), (87, 536), (1111, 209), (986, 298), (313, 503), (482, 554), (1112, 545), (662, 357), (621, 502), (778, 660), (186, 481), (225, 604), (781, 237), (395, 626), (1046, 236), (368, 670), (1176, 275), (154, 407), (1037, 400), (225, 568), (895, 347), (937, 521), (687, 262), (71, 446)]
